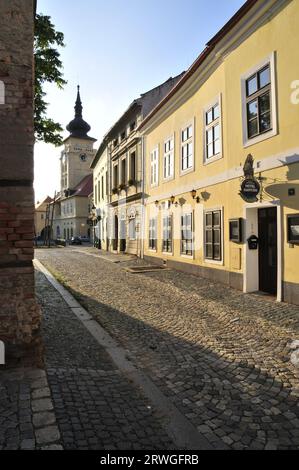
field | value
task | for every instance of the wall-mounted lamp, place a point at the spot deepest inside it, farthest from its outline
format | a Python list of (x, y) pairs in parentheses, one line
[(172, 199), (194, 195)]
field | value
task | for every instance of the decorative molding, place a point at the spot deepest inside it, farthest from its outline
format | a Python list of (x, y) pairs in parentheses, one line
[(16, 183), (17, 264), (275, 161)]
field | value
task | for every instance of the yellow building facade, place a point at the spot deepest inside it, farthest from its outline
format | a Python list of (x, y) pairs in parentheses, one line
[(231, 123)]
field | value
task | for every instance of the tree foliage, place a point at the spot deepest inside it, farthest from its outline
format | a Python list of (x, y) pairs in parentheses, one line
[(48, 69)]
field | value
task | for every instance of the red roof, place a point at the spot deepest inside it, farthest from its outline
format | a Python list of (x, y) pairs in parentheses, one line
[(85, 187)]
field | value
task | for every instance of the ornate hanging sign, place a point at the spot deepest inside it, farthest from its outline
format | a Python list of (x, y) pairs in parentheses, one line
[(250, 187)]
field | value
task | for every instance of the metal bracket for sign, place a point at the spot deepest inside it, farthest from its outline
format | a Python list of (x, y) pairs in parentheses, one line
[(261, 179)]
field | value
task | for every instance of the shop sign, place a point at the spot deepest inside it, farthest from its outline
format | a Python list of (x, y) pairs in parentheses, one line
[(250, 189)]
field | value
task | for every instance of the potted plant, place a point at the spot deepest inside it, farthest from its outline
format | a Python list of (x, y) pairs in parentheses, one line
[(131, 182), (122, 186), (114, 190)]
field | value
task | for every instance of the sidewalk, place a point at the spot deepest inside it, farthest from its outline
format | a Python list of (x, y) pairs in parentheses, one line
[(81, 400)]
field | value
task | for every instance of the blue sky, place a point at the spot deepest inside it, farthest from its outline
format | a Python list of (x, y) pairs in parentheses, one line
[(117, 50)]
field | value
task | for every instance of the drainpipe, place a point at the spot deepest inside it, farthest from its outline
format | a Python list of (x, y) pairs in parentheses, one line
[(142, 221)]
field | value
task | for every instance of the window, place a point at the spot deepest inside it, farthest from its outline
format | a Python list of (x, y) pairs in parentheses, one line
[(212, 132), (98, 196), (213, 241), (115, 176), (102, 180), (187, 148), (168, 161), (132, 229), (107, 183), (133, 166), (186, 235), (132, 126), (115, 143), (123, 135), (154, 167), (259, 111), (167, 234), (42, 216), (124, 171), (153, 234), (258, 102)]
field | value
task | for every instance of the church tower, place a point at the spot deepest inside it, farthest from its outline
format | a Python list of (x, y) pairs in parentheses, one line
[(78, 151)]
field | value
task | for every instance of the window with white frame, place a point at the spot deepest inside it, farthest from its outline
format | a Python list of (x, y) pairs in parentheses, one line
[(187, 234), (259, 109), (155, 167), (168, 160), (213, 235), (187, 148), (212, 132), (258, 102), (152, 237), (167, 234)]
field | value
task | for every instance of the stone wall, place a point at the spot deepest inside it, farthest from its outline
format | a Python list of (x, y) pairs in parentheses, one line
[(19, 313)]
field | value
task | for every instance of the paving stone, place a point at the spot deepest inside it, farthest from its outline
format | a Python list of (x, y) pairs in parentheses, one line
[(47, 435), (43, 404), (43, 419), (52, 447), (179, 329), (41, 393), (27, 444)]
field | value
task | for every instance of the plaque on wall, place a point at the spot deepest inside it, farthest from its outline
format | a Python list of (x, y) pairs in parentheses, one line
[(235, 230), (293, 228)]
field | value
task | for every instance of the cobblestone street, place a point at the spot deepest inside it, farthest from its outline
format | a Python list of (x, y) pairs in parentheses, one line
[(222, 357)]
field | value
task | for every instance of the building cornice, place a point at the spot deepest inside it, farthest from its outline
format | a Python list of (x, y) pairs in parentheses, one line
[(289, 157)]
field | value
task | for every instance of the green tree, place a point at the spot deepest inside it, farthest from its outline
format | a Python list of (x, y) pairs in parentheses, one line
[(48, 69)]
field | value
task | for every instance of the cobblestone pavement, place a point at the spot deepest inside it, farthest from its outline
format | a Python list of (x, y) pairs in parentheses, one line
[(221, 356), (27, 419), (96, 407)]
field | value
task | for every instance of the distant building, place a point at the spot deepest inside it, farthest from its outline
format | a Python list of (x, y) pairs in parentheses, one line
[(40, 217), (101, 196), (72, 204), (118, 176)]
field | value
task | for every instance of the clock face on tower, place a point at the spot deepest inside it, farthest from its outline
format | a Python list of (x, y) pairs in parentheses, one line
[(83, 157)]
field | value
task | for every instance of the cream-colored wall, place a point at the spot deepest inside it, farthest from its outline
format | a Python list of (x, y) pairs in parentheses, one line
[(40, 218), (39, 221), (76, 169), (279, 36), (100, 202)]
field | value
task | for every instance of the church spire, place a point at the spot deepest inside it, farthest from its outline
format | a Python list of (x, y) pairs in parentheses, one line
[(78, 106), (78, 127)]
